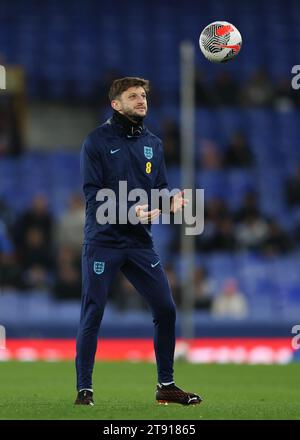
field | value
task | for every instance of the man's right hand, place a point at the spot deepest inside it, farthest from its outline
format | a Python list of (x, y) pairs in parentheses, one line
[(146, 216)]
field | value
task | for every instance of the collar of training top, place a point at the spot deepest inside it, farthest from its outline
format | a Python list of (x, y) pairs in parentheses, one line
[(127, 127)]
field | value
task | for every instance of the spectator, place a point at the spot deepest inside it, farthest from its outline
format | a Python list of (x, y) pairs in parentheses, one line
[(292, 188), (238, 153), (36, 259), (203, 289), (215, 211), (67, 284), (203, 95), (71, 224), (6, 246), (285, 97), (36, 277), (171, 140), (36, 250), (230, 303), (223, 239), (296, 232), (249, 207), (277, 241), (6, 215), (252, 233), (226, 89), (9, 268), (37, 216), (210, 155), (258, 91)]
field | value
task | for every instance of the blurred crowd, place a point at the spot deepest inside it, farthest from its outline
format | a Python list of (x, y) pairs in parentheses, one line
[(209, 154), (245, 229), (40, 253), (259, 90)]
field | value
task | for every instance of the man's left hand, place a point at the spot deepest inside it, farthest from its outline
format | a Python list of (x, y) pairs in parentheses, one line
[(178, 202)]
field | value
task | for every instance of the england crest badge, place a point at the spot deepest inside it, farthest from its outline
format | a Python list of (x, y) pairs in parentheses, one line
[(148, 152), (99, 267)]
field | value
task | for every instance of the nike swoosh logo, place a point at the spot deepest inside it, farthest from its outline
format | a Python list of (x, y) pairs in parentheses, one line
[(235, 47), (192, 398), (114, 151), (153, 265)]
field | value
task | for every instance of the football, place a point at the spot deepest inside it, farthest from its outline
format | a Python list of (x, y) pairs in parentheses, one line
[(220, 42)]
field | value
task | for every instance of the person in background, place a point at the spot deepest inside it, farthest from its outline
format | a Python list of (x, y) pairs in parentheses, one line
[(37, 216), (67, 283), (70, 225), (292, 188), (9, 267), (230, 302), (238, 153), (258, 90), (203, 289)]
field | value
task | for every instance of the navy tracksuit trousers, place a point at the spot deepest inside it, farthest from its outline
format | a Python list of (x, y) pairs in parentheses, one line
[(143, 269)]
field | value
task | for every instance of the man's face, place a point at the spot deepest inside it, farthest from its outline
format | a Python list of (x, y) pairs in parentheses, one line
[(132, 102)]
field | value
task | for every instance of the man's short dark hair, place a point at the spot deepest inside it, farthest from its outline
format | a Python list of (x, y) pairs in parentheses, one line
[(121, 85)]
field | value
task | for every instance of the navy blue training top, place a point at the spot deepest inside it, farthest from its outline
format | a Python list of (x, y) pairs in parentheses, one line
[(110, 154)]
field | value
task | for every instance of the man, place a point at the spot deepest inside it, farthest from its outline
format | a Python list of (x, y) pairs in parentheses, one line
[(122, 149)]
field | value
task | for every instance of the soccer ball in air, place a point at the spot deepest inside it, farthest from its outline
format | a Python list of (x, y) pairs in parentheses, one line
[(220, 41)]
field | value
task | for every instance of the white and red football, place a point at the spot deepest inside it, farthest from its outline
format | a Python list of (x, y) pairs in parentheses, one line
[(220, 41)]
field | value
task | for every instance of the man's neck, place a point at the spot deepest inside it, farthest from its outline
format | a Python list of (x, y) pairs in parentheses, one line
[(132, 126), (133, 120)]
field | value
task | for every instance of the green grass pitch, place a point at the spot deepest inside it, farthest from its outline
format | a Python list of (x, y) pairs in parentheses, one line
[(125, 391)]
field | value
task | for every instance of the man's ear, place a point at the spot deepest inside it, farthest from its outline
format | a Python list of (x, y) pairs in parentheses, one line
[(115, 104)]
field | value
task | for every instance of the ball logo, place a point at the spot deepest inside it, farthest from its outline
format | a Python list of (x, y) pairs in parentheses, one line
[(2, 78), (235, 47)]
